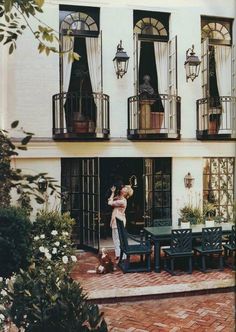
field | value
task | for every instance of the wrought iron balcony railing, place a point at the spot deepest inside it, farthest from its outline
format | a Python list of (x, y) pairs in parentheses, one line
[(216, 118), (154, 118), (78, 117)]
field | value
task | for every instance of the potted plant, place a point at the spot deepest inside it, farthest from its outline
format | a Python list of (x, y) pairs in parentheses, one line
[(190, 215), (81, 122), (209, 213)]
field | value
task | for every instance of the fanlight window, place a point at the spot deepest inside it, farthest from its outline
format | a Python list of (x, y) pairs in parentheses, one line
[(79, 22), (150, 26), (215, 30)]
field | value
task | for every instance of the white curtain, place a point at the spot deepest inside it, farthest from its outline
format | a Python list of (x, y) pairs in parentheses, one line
[(223, 74), (161, 57), (67, 44), (93, 48)]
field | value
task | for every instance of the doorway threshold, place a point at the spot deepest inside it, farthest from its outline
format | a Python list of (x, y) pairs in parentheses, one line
[(107, 243)]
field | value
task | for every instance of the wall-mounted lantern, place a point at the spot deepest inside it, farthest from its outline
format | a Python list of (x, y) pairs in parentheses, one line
[(133, 181), (188, 180), (42, 184), (121, 61), (192, 64)]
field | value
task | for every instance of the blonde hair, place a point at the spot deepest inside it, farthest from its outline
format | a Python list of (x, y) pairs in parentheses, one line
[(129, 191)]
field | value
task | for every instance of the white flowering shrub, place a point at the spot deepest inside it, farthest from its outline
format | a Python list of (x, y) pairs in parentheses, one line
[(45, 298), (53, 247)]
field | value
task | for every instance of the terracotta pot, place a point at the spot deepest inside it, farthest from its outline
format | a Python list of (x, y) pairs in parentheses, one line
[(80, 127), (157, 120), (212, 127)]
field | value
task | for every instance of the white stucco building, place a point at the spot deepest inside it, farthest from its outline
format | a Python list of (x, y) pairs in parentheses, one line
[(98, 130)]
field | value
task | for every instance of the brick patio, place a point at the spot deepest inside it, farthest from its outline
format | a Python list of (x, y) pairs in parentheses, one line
[(201, 313), (159, 302), (110, 287)]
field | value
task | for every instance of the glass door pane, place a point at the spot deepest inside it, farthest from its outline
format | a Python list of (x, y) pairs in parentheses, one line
[(90, 213), (148, 191)]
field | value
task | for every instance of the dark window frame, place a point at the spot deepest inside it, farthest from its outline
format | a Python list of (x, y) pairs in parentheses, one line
[(93, 12), (226, 22), (160, 16), (164, 165)]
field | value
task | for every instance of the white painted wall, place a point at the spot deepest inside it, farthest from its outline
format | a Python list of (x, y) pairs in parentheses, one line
[(181, 195), (116, 24), (28, 81), (33, 78)]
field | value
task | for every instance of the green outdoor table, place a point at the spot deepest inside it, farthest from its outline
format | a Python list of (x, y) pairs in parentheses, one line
[(163, 233)]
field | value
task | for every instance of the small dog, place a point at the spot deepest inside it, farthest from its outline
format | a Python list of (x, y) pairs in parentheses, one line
[(105, 263)]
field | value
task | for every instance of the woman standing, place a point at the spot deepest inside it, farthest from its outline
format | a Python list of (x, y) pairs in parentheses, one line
[(119, 204)]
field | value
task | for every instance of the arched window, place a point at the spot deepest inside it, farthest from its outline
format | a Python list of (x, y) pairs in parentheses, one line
[(81, 80), (79, 23), (217, 31), (150, 26)]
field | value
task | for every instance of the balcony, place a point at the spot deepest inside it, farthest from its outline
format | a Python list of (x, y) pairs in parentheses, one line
[(216, 118), (78, 117), (154, 119)]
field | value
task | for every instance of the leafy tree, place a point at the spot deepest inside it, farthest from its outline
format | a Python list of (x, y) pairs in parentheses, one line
[(16, 15), (15, 240), (25, 184)]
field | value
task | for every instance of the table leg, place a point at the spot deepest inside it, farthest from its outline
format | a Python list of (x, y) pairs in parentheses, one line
[(157, 258)]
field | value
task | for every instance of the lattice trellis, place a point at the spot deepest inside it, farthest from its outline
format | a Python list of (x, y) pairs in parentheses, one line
[(218, 179)]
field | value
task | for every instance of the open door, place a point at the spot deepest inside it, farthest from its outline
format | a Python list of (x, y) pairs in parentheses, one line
[(172, 78), (205, 67), (148, 191), (203, 116), (233, 87), (90, 200)]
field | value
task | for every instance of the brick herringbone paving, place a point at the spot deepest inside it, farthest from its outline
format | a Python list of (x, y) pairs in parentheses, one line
[(202, 313), (92, 282)]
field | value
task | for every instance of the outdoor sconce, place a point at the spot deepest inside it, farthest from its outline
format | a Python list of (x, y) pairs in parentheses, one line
[(120, 61), (135, 181), (192, 64), (64, 197), (188, 180), (42, 184)]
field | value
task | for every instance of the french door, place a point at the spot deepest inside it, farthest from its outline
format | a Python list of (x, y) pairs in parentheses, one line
[(148, 191), (80, 178), (90, 203)]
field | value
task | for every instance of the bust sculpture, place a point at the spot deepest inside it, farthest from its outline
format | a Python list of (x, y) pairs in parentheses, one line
[(146, 90)]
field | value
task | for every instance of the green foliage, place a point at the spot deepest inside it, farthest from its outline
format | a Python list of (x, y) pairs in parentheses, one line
[(43, 302), (15, 240), (47, 221), (44, 297), (14, 12), (25, 184), (192, 214), (209, 210)]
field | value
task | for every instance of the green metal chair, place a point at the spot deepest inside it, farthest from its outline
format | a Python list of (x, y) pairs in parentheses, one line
[(180, 247), (211, 244), (230, 248), (138, 246)]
